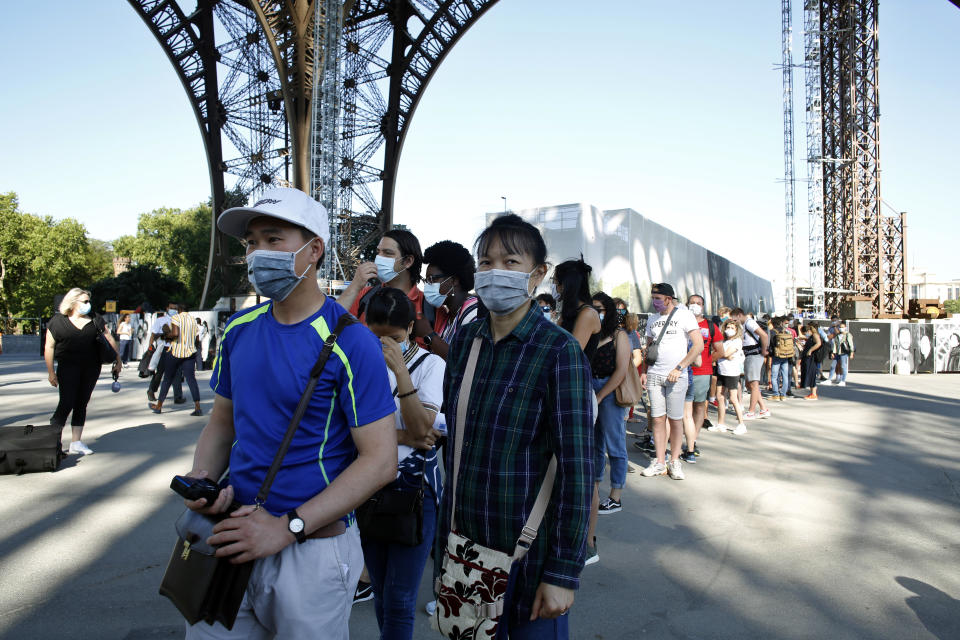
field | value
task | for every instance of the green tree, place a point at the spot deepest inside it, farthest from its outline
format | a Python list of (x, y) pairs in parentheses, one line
[(951, 306), (139, 285), (41, 257)]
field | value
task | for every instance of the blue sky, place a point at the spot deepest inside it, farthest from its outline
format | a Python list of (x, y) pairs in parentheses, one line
[(673, 109)]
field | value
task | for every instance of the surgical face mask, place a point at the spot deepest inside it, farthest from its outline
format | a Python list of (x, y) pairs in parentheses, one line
[(84, 308), (695, 309), (502, 291), (432, 293), (273, 273), (659, 305), (404, 346), (730, 332), (385, 265), (554, 292), (843, 329), (602, 316)]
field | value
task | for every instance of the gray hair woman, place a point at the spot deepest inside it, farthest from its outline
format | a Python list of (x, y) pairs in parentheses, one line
[(72, 338)]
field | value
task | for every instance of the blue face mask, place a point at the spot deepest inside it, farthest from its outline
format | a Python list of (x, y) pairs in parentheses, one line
[(84, 308), (502, 290), (404, 346), (273, 273), (385, 265), (432, 293)]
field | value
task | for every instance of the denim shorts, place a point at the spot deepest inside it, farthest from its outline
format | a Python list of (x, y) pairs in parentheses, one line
[(666, 397)]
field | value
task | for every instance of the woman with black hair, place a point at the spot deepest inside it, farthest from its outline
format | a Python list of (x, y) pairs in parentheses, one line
[(609, 365), (447, 287), (416, 377), (531, 402), (572, 281)]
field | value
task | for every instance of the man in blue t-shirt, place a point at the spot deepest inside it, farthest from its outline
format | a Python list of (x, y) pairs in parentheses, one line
[(303, 538)]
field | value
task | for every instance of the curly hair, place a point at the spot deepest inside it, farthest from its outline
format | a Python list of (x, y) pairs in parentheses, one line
[(732, 323), (454, 260)]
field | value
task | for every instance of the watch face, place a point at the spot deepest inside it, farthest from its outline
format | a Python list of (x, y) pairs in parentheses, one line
[(296, 525)]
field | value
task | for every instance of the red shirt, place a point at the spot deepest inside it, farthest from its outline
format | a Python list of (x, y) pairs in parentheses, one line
[(706, 364), (415, 295)]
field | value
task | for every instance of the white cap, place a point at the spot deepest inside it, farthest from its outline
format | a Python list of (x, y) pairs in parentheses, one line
[(283, 203)]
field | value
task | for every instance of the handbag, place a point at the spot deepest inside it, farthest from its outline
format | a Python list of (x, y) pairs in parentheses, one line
[(200, 585), (392, 515), (653, 349), (105, 352), (630, 391), (472, 581)]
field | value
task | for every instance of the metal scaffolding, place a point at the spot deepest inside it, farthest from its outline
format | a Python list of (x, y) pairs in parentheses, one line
[(814, 127), (857, 256), (789, 178)]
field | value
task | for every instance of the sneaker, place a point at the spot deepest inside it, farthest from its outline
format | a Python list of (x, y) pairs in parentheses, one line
[(707, 424), (80, 448), (749, 415), (655, 469), (696, 450), (765, 413), (721, 428), (364, 592), (609, 506), (740, 430), (713, 402), (431, 607), (675, 469), (842, 383), (689, 457), (592, 556)]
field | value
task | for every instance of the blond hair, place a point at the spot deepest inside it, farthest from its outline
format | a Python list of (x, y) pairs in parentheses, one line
[(631, 321), (722, 311), (70, 300), (731, 323)]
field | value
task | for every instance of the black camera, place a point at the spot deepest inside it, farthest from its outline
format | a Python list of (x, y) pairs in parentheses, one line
[(196, 488)]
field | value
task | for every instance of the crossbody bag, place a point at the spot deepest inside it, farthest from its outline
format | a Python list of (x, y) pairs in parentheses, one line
[(472, 582), (200, 585), (653, 349), (393, 515)]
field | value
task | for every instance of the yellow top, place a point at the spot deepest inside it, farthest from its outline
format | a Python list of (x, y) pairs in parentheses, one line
[(184, 346)]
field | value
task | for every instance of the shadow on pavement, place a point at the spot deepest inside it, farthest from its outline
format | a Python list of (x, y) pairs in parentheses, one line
[(936, 610)]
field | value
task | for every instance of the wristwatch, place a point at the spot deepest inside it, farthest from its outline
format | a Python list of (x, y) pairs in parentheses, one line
[(296, 525), (678, 368), (428, 339)]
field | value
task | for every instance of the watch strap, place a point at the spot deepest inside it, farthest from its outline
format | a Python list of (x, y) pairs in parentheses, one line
[(301, 535)]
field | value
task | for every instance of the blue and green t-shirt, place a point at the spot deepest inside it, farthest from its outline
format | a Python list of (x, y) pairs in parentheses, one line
[(263, 367)]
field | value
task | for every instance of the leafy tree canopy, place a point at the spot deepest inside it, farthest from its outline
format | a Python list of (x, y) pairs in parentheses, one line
[(141, 285)]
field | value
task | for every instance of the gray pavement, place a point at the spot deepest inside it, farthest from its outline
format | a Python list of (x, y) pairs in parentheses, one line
[(836, 518)]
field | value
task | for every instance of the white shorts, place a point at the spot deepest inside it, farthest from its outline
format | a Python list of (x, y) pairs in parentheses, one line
[(305, 591), (666, 397)]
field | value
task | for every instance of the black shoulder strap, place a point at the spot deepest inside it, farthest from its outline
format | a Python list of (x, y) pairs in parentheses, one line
[(345, 320), (412, 369), (365, 300), (663, 329)]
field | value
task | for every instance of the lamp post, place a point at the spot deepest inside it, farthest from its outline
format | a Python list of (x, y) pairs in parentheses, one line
[(504, 198)]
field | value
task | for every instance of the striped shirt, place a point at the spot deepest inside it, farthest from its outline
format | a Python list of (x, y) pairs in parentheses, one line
[(185, 345), (448, 327), (531, 399)]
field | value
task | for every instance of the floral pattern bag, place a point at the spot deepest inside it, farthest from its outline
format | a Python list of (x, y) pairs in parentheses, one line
[(472, 581)]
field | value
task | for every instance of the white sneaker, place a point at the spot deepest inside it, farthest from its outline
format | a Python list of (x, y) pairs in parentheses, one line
[(740, 430), (722, 428), (675, 470), (842, 383), (430, 607), (79, 447), (655, 469)]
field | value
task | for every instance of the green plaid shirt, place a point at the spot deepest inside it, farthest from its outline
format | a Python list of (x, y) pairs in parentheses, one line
[(530, 400)]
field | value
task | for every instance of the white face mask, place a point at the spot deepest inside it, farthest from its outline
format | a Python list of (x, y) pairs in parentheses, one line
[(730, 333), (385, 271), (695, 309), (503, 291)]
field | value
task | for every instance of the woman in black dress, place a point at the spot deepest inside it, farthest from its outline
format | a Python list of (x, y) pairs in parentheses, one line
[(811, 345), (72, 341)]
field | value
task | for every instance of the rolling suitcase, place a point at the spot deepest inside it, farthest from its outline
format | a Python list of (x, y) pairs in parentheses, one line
[(30, 448)]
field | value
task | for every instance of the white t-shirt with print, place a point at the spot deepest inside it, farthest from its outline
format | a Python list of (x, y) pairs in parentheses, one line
[(673, 346), (732, 366), (428, 380)]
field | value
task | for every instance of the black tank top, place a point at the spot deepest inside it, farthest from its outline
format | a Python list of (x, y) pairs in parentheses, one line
[(604, 361)]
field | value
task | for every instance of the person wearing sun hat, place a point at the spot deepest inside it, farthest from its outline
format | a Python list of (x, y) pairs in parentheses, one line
[(303, 539)]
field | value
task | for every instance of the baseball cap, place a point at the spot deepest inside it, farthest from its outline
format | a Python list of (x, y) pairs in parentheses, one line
[(283, 203), (663, 289)]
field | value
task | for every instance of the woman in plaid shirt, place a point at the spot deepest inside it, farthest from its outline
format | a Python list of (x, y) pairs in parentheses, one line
[(531, 400)]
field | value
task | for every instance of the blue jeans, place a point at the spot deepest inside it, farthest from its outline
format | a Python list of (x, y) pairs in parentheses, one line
[(395, 572), (780, 367), (539, 629), (843, 364), (612, 423)]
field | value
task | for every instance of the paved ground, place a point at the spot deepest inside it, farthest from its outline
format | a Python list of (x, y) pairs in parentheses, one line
[(832, 519)]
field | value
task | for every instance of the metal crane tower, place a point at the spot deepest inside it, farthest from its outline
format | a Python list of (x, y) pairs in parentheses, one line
[(863, 250), (789, 179), (814, 122)]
